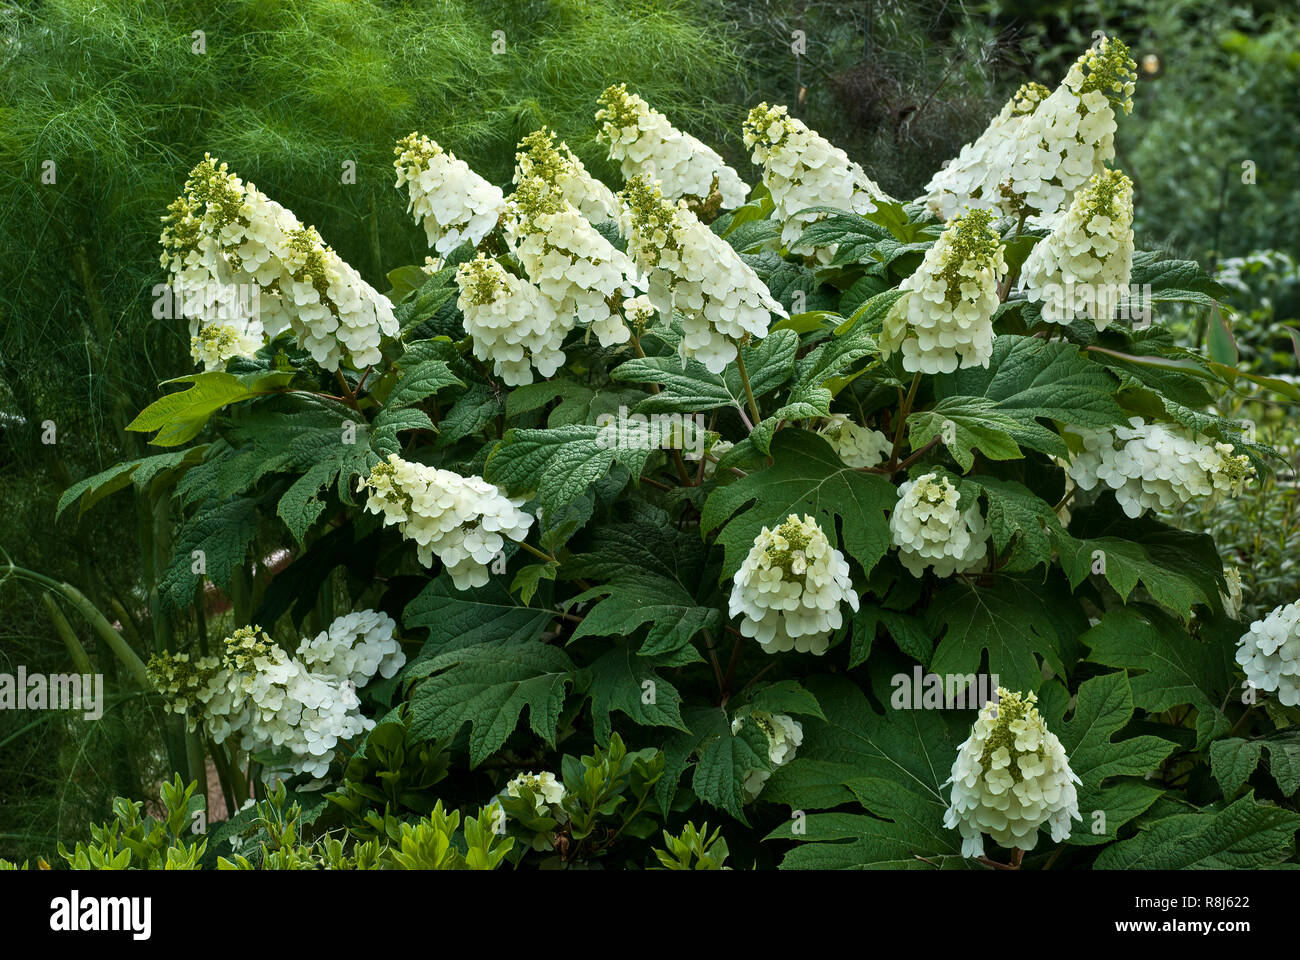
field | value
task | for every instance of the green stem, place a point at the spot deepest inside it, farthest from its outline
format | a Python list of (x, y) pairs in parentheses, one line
[(749, 391), (904, 411)]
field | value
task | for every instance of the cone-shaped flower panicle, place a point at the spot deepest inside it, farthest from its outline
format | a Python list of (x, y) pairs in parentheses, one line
[(510, 321), (930, 529), (240, 262), (802, 169), (452, 202), (1157, 466), (1011, 777), (643, 142), (1269, 653), (790, 587), (856, 445), (1082, 268), (973, 177), (784, 735), (695, 272), (944, 319), (560, 169), (463, 521)]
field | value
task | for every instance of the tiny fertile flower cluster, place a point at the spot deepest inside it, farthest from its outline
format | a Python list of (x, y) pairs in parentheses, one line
[(453, 203), (973, 177), (930, 529), (790, 586), (224, 234), (784, 735), (1269, 653), (1084, 265), (1070, 136), (642, 140), (945, 316), (1157, 466), (538, 156), (572, 264), (464, 521), (803, 169), (1011, 777), (693, 270), (857, 446), (510, 321), (304, 705)]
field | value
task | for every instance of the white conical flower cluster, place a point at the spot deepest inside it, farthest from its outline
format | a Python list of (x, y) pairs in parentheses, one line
[(784, 735), (973, 177), (930, 530), (464, 521), (570, 262), (803, 169), (856, 445), (1269, 653), (1082, 268), (1157, 466), (1070, 137), (694, 271), (642, 140), (944, 319), (790, 587), (226, 235), (452, 202), (510, 321), (560, 169), (1011, 777), (303, 706)]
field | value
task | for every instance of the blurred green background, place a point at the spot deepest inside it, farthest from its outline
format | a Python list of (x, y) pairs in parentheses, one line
[(117, 96)]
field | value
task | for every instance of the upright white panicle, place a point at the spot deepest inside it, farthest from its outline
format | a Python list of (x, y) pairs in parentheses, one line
[(464, 521), (573, 265), (1082, 268), (642, 140), (558, 167), (1011, 777), (973, 177), (856, 445), (1070, 136), (510, 321), (1157, 466), (790, 587), (1269, 653), (784, 735), (802, 169), (930, 530), (452, 202), (303, 706), (944, 319), (694, 271), (240, 261)]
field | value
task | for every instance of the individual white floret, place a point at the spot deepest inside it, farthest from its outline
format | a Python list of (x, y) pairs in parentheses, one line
[(511, 322), (560, 169), (1082, 268), (802, 169), (930, 529), (1011, 776), (452, 202), (695, 272), (1233, 598), (944, 319), (856, 445), (1269, 653), (464, 521), (790, 586), (644, 143), (784, 735)]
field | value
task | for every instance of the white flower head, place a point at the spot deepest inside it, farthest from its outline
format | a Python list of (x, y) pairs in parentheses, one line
[(452, 202), (643, 142), (1269, 654), (510, 321), (784, 735), (944, 319), (1011, 776), (790, 586), (1082, 268), (930, 529), (802, 169), (548, 792), (463, 521), (856, 445)]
